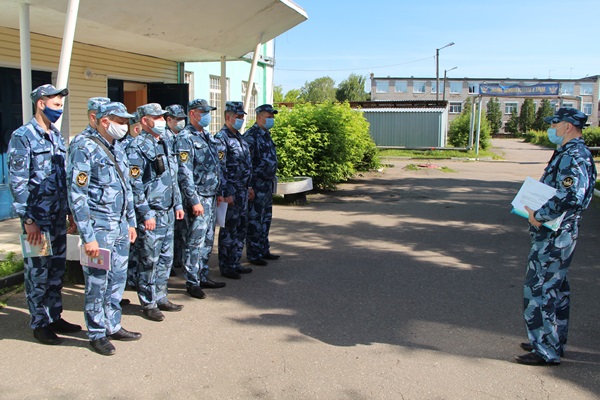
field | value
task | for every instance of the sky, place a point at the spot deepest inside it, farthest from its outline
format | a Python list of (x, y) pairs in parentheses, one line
[(493, 39)]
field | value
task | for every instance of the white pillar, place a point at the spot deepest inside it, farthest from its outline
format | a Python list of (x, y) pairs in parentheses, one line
[(478, 125), (223, 87), (251, 78), (25, 47), (67, 48)]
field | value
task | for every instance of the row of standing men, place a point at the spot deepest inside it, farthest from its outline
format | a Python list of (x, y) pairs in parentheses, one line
[(132, 195)]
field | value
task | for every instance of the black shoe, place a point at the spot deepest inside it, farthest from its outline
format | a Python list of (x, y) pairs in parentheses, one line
[(243, 270), (231, 274), (258, 261), (533, 359), (125, 336), (103, 346), (210, 284), (196, 292), (172, 273), (154, 314), (529, 347), (62, 326), (46, 336), (125, 302), (168, 306), (271, 256)]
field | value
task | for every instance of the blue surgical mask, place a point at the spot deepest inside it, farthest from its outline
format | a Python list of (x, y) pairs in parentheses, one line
[(52, 114), (238, 124), (553, 137), (205, 120), (269, 122), (159, 127)]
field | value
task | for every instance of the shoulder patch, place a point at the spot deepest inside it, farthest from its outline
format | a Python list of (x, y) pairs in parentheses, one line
[(184, 156), (567, 182), (221, 154), (82, 179), (135, 172)]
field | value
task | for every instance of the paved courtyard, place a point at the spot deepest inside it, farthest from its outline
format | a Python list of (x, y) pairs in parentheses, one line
[(399, 285)]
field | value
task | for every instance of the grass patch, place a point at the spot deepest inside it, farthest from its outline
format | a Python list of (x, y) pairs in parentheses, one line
[(412, 167), (446, 169), (437, 154), (11, 264), (8, 292)]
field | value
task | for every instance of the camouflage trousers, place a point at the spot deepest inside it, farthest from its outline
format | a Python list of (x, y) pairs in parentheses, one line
[(155, 259), (546, 289), (260, 212), (104, 289), (233, 235), (44, 277), (199, 243), (132, 265)]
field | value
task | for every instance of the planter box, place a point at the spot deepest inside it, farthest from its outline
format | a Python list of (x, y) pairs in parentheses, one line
[(298, 185)]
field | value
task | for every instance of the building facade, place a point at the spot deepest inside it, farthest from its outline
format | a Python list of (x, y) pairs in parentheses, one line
[(579, 93)]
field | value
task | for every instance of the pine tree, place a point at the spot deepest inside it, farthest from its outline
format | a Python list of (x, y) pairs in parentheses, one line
[(512, 126), (527, 116), (494, 115), (545, 110)]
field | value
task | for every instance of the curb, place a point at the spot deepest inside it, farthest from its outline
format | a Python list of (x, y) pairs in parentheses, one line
[(12, 280)]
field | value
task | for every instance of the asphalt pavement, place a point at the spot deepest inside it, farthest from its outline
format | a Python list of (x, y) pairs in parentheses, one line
[(401, 284)]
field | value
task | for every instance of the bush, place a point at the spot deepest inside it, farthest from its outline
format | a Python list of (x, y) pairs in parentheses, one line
[(591, 136), (458, 132), (329, 142)]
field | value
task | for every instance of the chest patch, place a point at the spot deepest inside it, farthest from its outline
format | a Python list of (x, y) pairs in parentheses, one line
[(135, 172), (82, 179), (567, 182), (184, 156), (221, 154)]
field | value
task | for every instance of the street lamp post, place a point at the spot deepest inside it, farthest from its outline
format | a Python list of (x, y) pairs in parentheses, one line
[(437, 70), (444, 82)]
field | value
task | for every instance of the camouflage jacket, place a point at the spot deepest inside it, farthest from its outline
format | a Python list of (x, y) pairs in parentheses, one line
[(263, 153), (571, 171), (199, 168), (98, 197), (37, 171), (235, 161), (153, 188)]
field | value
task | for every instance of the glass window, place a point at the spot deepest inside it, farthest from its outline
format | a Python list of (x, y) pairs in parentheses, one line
[(189, 79), (215, 100), (567, 88), (587, 108), (400, 86), (253, 98), (473, 87), (455, 108), (568, 104), (382, 86), (433, 86), (456, 87), (587, 88), (509, 107), (418, 87)]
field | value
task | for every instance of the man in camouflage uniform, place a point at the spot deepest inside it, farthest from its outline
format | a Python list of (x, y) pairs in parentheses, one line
[(153, 176), (102, 205), (236, 174), (175, 117), (37, 181), (92, 108), (199, 177), (264, 167), (572, 172)]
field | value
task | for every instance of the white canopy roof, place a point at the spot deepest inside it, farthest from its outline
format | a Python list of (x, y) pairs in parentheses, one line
[(176, 30)]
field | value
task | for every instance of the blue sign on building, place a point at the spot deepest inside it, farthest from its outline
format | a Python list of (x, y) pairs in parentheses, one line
[(542, 89)]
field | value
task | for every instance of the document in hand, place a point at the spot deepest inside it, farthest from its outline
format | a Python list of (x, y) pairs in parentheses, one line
[(100, 262), (535, 194), (41, 250), (221, 213)]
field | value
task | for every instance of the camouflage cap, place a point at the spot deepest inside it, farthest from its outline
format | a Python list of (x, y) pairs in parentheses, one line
[(153, 109), (114, 108), (568, 114), (266, 108), (235, 106), (135, 119), (175, 111), (95, 102), (200, 104), (47, 90)]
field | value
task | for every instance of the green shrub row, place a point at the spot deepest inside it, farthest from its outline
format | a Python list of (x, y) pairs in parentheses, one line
[(328, 142), (591, 136)]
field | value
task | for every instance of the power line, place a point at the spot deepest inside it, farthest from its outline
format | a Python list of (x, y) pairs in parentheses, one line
[(352, 69)]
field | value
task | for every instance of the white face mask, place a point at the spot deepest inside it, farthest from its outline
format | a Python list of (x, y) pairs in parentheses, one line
[(159, 127), (117, 131), (181, 125)]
